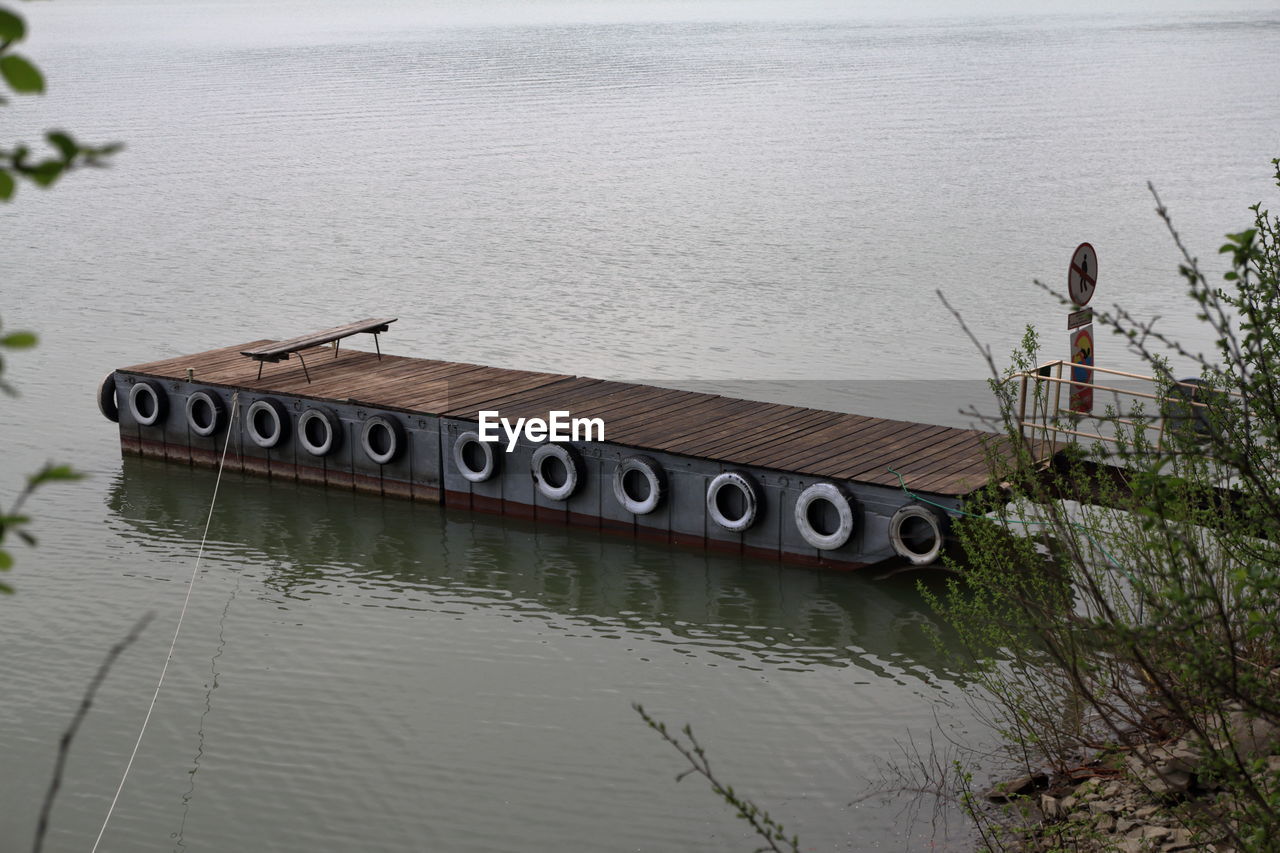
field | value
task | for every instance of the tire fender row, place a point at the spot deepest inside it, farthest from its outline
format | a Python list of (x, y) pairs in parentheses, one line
[(267, 422), (825, 515)]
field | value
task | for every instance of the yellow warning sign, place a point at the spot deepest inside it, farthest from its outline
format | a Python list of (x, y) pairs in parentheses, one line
[(1081, 362)]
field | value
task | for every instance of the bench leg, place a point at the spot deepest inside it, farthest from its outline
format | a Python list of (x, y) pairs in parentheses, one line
[(375, 346), (259, 370), (304, 367)]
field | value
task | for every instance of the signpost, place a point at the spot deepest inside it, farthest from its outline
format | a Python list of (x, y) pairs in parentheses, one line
[(1082, 277), (1081, 361), (1076, 319), (1082, 280)]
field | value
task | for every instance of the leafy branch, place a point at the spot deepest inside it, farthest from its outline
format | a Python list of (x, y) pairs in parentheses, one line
[(23, 77), (12, 519), (761, 823)]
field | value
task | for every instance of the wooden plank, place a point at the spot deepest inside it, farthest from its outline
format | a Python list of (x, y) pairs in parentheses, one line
[(796, 428), (687, 418), (732, 414), (884, 453), (945, 452), (468, 398), (967, 461), (636, 428), (526, 404), (787, 432), (629, 429), (400, 384), (176, 366), (837, 440), (810, 428), (586, 404), (905, 447), (756, 426), (959, 483), (362, 378), (620, 406), (883, 448), (278, 378), (637, 401), (402, 389), (572, 399), (278, 350), (638, 413)]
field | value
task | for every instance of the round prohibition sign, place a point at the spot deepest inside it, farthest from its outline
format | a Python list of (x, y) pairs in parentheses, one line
[(1082, 277)]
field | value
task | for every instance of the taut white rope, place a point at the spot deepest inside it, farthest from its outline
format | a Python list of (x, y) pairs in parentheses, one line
[(235, 406)]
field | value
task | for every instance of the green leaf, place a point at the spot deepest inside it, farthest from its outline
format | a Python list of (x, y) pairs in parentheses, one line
[(5, 589), (18, 340), (47, 172), (23, 77), (6, 185), (12, 28), (49, 473), (64, 143), (6, 560)]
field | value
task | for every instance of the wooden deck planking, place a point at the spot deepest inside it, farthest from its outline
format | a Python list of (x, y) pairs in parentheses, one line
[(873, 459), (969, 467), (706, 431), (694, 417), (794, 430), (906, 441), (912, 461), (838, 440), (580, 399), (404, 391), (570, 396), (440, 391), (743, 432), (634, 405), (933, 459), (468, 399), (626, 401), (395, 385), (629, 429), (815, 444), (942, 453), (868, 440), (176, 366), (634, 419)]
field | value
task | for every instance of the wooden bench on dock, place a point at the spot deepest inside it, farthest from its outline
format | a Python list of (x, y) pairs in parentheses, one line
[(281, 350)]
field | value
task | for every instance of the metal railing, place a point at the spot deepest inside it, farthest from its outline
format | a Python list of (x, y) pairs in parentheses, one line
[(1043, 419)]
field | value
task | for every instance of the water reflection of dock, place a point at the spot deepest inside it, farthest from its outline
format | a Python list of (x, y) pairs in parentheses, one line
[(312, 541)]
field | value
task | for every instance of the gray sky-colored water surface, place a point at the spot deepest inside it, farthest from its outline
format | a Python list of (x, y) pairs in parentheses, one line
[(756, 197)]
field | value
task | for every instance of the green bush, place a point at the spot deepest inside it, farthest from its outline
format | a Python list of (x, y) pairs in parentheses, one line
[(1148, 609)]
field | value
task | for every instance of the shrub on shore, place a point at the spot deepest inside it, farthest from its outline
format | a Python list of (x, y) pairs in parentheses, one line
[(1134, 635)]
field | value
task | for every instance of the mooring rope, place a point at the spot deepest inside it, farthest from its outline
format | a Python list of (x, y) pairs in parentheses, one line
[(231, 420)]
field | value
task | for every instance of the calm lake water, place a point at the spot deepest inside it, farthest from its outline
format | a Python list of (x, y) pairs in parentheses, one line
[(751, 196)]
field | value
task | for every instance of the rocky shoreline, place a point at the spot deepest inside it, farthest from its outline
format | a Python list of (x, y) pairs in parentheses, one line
[(1157, 797)]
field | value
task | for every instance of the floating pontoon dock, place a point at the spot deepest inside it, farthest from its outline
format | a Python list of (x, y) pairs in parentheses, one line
[(762, 479)]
